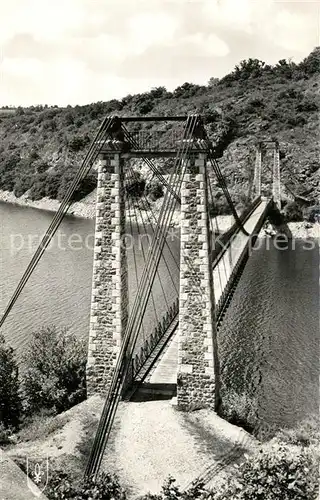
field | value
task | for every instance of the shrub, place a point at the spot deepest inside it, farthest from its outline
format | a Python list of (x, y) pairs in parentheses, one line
[(7, 171), (85, 186), (187, 90), (170, 491), (293, 212), (78, 142), (105, 487), (38, 189), (306, 433), (312, 214), (52, 185), (276, 472), (10, 405), (5, 434), (135, 186), (55, 371), (239, 409), (22, 185), (155, 190), (41, 167), (310, 65)]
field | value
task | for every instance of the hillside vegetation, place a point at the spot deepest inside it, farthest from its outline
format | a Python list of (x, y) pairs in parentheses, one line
[(41, 147)]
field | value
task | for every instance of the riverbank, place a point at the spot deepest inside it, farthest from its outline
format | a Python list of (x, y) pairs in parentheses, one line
[(87, 208), (84, 208)]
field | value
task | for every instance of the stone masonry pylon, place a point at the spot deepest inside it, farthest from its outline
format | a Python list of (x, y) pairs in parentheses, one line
[(109, 303), (276, 186), (198, 379), (257, 172)]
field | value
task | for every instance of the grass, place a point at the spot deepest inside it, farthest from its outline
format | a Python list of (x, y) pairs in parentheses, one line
[(84, 447), (40, 426)]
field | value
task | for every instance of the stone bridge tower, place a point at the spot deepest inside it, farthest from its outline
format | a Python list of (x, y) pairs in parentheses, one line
[(198, 365), (109, 303), (198, 368)]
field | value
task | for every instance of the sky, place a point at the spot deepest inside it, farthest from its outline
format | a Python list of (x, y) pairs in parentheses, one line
[(82, 51)]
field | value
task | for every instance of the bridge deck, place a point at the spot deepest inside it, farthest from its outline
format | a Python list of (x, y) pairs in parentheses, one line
[(223, 269), (165, 370)]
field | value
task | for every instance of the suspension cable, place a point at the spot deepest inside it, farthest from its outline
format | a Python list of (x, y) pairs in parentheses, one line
[(211, 223), (158, 274), (189, 264), (134, 252), (154, 169), (57, 219), (144, 261), (147, 209), (121, 367), (222, 181)]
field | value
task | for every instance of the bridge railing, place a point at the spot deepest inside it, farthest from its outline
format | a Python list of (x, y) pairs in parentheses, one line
[(239, 267), (151, 343), (226, 237)]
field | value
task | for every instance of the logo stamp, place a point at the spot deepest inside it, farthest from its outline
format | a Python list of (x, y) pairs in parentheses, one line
[(37, 475)]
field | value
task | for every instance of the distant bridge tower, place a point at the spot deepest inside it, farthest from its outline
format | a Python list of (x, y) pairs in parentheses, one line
[(261, 150), (276, 186), (257, 171)]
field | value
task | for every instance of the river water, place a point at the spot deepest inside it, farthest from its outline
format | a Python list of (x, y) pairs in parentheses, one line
[(269, 341)]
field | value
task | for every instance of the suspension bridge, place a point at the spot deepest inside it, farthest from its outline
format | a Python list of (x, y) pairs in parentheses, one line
[(153, 331)]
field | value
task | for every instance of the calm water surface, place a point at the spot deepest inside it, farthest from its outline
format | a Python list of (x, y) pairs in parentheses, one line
[(269, 342)]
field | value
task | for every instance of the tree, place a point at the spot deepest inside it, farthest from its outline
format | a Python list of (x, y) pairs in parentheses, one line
[(9, 386), (23, 183), (135, 188), (213, 81), (155, 190), (187, 90), (311, 64), (251, 68), (293, 212), (158, 92), (285, 68), (55, 370)]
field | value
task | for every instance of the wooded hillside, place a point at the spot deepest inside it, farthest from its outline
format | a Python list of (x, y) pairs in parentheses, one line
[(41, 147)]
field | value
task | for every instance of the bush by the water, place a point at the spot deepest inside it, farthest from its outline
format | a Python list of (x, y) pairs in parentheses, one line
[(239, 409), (293, 212), (55, 371), (312, 214), (285, 468), (10, 405), (277, 471)]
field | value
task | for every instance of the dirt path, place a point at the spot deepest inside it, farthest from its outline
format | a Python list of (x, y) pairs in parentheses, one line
[(149, 442), (153, 440)]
